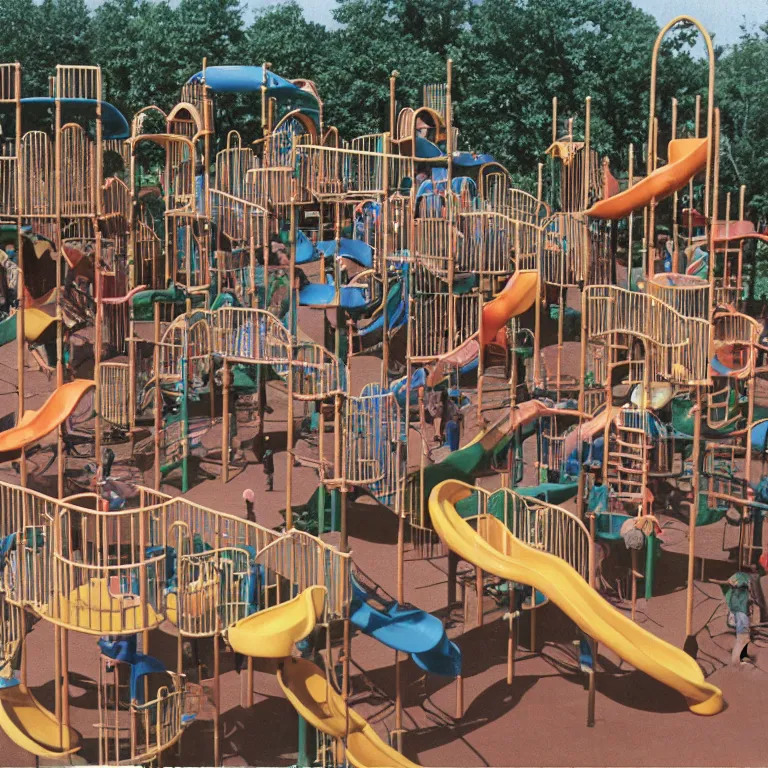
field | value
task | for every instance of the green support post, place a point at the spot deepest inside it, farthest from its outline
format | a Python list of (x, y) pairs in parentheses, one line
[(185, 427), (306, 756), (651, 545)]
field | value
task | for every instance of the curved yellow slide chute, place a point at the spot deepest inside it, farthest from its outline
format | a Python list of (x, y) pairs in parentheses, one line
[(272, 633), (306, 687), (32, 727), (507, 557)]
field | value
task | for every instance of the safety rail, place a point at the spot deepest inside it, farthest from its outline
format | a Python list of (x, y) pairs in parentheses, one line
[(221, 530), (429, 327), (727, 295), (75, 81), (188, 262), (116, 206), (102, 572), (10, 82), (435, 97), (273, 185), (540, 525), (495, 244), (333, 171), (677, 346), (79, 567), (116, 324), (78, 177), (232, 166), (735, 328), (251, 336), (565, 249), (187, 340), (10, 635), (316, 373), (216, 529), (8, 193), (115, 391), (434, 245), (211, 590), (179, 182), (140, 732), (147, 257), (686, 294), (371, 430), (37, 195), (244, 223), (297, 561)]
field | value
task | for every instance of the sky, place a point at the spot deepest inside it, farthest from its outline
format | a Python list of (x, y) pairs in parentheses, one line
[(721, 17)]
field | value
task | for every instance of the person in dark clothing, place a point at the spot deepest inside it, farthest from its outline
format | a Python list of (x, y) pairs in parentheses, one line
[(248, 498), (268, 462)]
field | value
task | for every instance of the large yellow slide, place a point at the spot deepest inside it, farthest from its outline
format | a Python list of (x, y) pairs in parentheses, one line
[(35, 425), (27, 723), (500, 553), (32, 727), (313, 697), (271, 634)]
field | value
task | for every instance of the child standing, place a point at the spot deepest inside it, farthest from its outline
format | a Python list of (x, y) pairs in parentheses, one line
[(268, 462)]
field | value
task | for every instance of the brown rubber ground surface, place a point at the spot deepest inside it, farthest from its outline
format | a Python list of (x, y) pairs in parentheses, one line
[(539, 720)]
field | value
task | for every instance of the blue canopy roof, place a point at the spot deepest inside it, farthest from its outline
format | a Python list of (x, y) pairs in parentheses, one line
[(468, 160), (114, 124), (239, 79)]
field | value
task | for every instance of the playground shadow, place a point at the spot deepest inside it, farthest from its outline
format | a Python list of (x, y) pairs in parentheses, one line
[(45, 693), (273, 719), (372, 522), (624, 685), (489, 706)]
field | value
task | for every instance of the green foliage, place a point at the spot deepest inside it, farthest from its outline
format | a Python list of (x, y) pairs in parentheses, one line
[(510, 58)]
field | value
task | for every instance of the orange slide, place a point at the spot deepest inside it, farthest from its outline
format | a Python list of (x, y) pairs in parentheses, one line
[(517, 297), (35, 425), (686, 158)]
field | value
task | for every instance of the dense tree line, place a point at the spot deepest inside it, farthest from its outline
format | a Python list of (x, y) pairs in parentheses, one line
[(510, 59)]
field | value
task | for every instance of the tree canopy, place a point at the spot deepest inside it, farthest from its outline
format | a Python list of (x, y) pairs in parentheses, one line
[(510, 58)]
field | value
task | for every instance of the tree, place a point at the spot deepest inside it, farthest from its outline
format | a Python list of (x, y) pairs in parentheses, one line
[(19, 19), (744, 109), (515, 56), (282, 36), (67, 33), (372, 42)]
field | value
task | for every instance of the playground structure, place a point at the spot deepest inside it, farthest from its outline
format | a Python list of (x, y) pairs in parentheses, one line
[(186, 295)]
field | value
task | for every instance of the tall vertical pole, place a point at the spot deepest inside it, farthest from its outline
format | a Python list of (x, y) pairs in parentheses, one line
[(586, 245), (675, 224), (21, 288), (97, 333), (393, 104), (694, 512), (630, 225), (383, 256), (293, 311), (158, 395), (59, 261)]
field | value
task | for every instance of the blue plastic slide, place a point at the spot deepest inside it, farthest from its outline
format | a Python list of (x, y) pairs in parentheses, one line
[(409, 630), (324, 295), (354, 250)]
